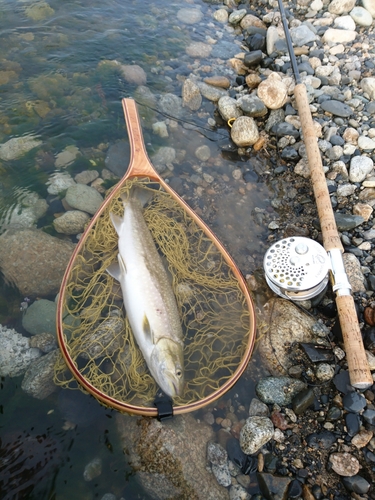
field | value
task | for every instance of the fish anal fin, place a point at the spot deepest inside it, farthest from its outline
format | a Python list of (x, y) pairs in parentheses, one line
[(116, 221)]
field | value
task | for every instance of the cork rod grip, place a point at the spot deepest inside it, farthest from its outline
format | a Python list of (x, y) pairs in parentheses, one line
[(359, 372), (327, 219)]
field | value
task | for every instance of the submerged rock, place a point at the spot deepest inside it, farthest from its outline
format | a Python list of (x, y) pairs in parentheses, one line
[(38, 381), (40, 317), (16, 354), (170, 457), (18, 146)]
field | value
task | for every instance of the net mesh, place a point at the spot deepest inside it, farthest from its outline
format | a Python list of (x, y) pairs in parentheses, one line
[(213, 309)]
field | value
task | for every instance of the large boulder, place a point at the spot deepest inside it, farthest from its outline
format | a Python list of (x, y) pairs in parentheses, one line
[(170, 457)]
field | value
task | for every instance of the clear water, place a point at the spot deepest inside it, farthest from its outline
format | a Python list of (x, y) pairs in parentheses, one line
[(53, 86)]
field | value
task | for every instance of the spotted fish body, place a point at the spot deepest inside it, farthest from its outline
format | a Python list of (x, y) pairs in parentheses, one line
[(148, 296)]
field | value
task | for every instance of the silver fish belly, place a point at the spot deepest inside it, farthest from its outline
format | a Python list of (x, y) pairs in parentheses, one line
[(148, 297)]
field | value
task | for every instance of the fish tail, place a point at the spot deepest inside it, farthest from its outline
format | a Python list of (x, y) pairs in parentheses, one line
[(142, 195)]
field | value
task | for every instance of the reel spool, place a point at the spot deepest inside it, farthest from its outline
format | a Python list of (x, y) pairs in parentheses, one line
[(296, 268)]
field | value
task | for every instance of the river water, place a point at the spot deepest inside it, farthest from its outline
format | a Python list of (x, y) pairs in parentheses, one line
[(55, 87)]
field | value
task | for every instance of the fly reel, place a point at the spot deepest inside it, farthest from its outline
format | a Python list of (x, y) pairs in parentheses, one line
[(297, 268)]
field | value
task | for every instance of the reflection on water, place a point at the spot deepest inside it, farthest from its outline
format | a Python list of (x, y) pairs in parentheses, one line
[(61, 83)]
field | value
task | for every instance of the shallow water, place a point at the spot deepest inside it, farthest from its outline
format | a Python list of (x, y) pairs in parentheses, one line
[(53, 87)]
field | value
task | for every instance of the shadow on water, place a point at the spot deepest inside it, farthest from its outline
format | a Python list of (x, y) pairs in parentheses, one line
[(56, 84)]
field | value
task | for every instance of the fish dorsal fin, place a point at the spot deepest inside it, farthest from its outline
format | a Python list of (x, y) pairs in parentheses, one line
[(146, 327), (114, 271), (116, 221)]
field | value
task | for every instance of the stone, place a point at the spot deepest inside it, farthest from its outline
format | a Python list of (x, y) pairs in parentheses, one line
[(366, 143), (364, 210), (370, 6), (217, 81), (278, 390), (344, 464), (360, 167), (163, 157), (34, 261), (203, 153), (199, 49), (303, 400), (362, 439), (221, 15), (339, 7), (250, 21), (350, 135), (367, 85), (337, 108), (255, 433), (228, 108), (133, 74), (302, 35), (251, 105), (361, 16), (211, 93), (39, 11), (93, 469), (354, 272), (244, 131), (83, 198), (273, 486), (67, 156), (189, 15), (191, 96), (357, 484), (40, 317), (118, 157), (273, 91), (345, 23), (26, 211), (284, 325), (16, 353), (38, 380), (86, 176), (170, 457), (18, 146), (237, 15), (335, 36), (71, 222)]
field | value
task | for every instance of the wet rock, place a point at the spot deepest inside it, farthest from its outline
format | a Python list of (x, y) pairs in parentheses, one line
[(163, 157), (203, 153), (354, 402), (273, 91), (45, 342), (26, 212), (337, 108), (324, 372), (228, 108), (86, 177), (279, 390), (369, 416), (67, 156), (251, 105), (222, 474), (18, 146), (199, 49), (40, 317), (79, 408), (244, 131), (83, 198), (285, 325), (105, 338), (324, 440), (170, 457), (216, 454), (258, 408), (72, 222), (357, 484), (93, 469), (303, 400), (170, 105), (295, 489), (133, 74), (218, 81), (38, 380), (238, 492), (16, 353), (362, 439), (237, 456), (283, 128), (344, 464), (34, 261), (353, 424), (118, 157), (211, 93), (255, 433), (191, 96), (273, 486), (39, 11), (253, 58), (189, 15)]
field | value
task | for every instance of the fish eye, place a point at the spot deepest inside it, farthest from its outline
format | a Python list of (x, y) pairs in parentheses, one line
[(179, 373)]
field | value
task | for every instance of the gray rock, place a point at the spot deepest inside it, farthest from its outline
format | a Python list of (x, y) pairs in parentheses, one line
[(224, 50), (361, 16), (251, 105), (40, 317), (238, 492), (258, 408), (83, 198), (16, 354), (86, 177), (58, 182), (244, 131), (279, 390), (39, 270), (255, 433), (302, 35), (228, 108), (345, 222), (170, 457), (357, 484), (38, 380), (118, 157), (93, 469), (27, 210), (360, 167), (368, 86), (163, 157), (18, 146), (222, 474), (189, 15), (191, 96), (211, 93), (45, 342), (71, 222), (216, 454), (337, 108), (171, 105)]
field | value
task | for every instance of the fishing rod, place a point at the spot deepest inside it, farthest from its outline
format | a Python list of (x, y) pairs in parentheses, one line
[(359, 372)]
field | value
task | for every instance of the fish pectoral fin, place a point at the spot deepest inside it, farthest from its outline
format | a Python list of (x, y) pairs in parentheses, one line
[(121, 263), (114, 271), (116, 221), (146, 327)]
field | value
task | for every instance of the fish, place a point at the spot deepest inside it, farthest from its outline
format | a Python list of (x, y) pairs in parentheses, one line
[(148, 296)]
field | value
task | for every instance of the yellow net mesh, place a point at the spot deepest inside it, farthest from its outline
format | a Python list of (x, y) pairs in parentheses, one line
[(213, 308)]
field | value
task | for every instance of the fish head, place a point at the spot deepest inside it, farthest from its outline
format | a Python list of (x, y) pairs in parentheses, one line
[(167, 360)]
